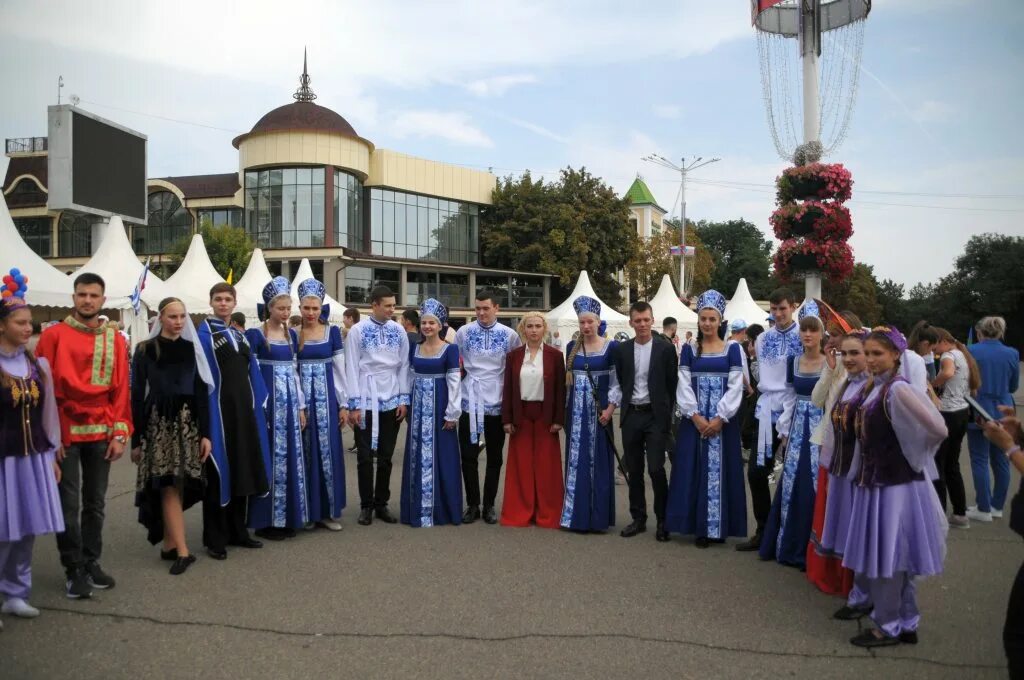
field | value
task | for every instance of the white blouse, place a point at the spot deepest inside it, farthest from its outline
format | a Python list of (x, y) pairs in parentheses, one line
[(531, 377)]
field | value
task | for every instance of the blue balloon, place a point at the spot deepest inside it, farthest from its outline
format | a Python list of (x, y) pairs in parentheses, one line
[(15, 272), (20, 278)]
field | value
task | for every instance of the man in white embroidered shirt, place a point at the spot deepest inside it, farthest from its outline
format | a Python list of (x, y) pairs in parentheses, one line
[(483, 346), (377, 369)]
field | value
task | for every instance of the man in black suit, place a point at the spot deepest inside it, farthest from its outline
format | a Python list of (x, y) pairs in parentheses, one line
[(647, 369)]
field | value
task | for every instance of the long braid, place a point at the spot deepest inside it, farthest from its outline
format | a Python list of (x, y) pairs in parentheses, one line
[(572, 357)]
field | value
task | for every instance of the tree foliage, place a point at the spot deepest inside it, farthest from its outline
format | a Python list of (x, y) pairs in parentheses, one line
[(856, 293), (738, 250), (229, 248), (562, 227)]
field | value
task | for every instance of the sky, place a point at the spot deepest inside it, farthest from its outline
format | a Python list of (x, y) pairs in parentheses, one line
[(934, 142)]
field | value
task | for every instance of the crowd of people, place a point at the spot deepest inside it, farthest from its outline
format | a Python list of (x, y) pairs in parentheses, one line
[(861, 429)]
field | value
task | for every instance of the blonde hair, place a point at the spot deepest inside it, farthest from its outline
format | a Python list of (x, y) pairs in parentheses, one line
[(521, 328)]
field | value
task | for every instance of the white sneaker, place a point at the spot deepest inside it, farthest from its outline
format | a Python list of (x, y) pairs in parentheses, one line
[(330, 525), (18, 607), (997, 514), (959, 522), (979, 516)]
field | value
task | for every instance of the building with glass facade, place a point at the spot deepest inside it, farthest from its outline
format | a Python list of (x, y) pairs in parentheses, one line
[(307, 186)]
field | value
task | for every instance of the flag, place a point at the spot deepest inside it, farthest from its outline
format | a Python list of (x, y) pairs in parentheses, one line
[(970, 336), (688, 251), (231, 275), (136, 296), (674, 250)]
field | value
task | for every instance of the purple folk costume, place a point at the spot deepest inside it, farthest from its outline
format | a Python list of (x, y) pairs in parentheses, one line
[(29, 437), (897, 528)]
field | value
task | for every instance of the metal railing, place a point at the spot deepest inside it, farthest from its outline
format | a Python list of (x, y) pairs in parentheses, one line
[(26, 145)]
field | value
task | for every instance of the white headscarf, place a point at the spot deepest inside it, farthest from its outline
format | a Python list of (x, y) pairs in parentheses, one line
[(188, 333)]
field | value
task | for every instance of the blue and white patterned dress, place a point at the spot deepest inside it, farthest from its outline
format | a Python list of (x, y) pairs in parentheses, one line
[(432, 470), (788, 529), (707, 494), (287, 504), (322, 376), (589, 462)]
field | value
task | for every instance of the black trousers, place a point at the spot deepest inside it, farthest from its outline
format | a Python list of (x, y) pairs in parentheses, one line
[(376, 495), (757, 479), (1013, 631), (222, 524), (643, 439), (494, 437), (947, 460), (83, 489)]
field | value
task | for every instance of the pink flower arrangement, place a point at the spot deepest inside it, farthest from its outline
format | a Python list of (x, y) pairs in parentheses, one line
[(814, 219), (823, 181), (833, 258)]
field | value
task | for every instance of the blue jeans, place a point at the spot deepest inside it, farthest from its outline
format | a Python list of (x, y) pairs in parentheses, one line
[(990, 495)]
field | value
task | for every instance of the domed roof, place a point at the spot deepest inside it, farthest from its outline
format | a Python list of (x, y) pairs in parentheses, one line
[(300, 115)]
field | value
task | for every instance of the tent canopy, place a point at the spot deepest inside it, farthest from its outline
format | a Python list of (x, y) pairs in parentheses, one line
[(195, 276), (47, 286), (306, 272), (666, 303), (563, 317), (742, 306), (250, 286)]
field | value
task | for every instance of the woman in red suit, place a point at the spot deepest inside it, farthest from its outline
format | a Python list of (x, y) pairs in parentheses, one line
[(533, 412)]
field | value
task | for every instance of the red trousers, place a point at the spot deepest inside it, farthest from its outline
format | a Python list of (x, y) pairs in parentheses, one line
[(533, 473), (825, 571)]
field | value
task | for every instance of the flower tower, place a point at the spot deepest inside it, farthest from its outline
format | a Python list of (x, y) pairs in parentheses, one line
[(813, 224)]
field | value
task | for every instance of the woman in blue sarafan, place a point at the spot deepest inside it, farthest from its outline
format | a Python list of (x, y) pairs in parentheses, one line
[(286, 508), (432, 469), (788, 529), (593, 393), (322, 376), (707, 495)]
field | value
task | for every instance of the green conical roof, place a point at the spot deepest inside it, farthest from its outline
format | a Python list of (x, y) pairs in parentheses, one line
[(640, 194)]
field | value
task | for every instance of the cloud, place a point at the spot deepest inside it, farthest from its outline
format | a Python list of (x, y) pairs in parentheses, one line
[(932, 111), (666, 111), (452, 126), (499, 85)]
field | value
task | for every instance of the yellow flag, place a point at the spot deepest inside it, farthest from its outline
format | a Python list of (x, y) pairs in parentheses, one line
[(231, 275)]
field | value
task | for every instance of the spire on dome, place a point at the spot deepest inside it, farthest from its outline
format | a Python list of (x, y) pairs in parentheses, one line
[(304, 94)]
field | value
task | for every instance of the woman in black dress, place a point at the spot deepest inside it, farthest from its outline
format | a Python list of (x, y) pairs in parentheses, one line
[(172, 429)]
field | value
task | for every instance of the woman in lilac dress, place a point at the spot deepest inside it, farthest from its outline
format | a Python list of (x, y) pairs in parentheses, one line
[(432, 470), (897, 529), (788, 530), (29, 442)]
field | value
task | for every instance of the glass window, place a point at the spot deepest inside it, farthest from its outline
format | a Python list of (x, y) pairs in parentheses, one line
[(497, 284), (423, 227), (454, 290), (419, 286), (36, 233), (387, 277), (74, 235), (527, 292), (348, 211), (287, 210), (358, 281), (168, 224), (218, 217), (26, 193)]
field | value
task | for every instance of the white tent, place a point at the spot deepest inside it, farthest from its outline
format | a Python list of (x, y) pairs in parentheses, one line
[(563, 317), (742, 306), (195, 275), (666, 303), (47, 286), (306, 272), (120, 268), (250, 286)]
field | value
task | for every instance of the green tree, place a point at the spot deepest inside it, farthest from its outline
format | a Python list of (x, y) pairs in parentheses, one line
[(856, 293), (576, 222), (229, 248), (892, 299), (738, 250)]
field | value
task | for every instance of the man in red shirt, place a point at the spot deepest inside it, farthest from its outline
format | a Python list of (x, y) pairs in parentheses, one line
[(89, 360)]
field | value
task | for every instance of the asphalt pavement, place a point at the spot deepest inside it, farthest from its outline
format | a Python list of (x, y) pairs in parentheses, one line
[(482, 602)]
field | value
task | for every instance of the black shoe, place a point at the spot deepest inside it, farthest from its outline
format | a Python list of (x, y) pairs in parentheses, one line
[(661, 533), (491, 515), (287, 532), (365, 517), (217, 554), (751, 545), (633, 528), (471, 514), (169, 555), (182, 564), (847, 613), (384, 515), (77, 586), (271, 534), (909, 637), (98, 579), (247, 542), (868, 639), (702, 542)]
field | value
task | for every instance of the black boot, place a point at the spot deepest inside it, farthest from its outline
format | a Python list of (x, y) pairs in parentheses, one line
[(365, 517), (471, 514), (384, 515), (751, 545)]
